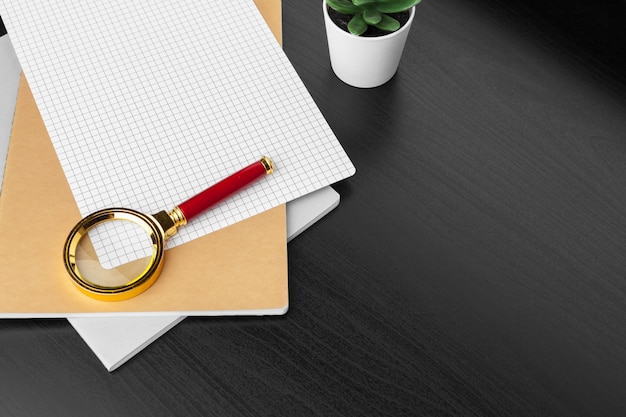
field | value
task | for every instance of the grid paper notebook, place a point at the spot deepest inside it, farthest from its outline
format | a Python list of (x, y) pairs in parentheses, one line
[(148, 102)]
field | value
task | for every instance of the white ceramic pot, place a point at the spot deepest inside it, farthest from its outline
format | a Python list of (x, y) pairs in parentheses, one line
[(365, 62)]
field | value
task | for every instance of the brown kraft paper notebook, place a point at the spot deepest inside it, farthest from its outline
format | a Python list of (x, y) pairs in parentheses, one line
[(238, 270)]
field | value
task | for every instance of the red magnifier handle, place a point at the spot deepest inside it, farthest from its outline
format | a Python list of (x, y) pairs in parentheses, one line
[(218, 192)]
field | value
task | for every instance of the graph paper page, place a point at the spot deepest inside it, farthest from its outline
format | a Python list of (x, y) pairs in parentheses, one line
[(148, 102)]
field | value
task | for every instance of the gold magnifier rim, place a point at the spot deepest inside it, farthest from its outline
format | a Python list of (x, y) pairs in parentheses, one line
[(137, 285)]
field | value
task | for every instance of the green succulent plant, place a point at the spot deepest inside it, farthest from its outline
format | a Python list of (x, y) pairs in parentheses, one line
[(371, 13)]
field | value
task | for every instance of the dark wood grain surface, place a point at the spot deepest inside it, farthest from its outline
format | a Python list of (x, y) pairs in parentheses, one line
[(475, 265)]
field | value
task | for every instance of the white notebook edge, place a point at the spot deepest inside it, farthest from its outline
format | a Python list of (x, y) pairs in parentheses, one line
[(116, 339), (10, 71)]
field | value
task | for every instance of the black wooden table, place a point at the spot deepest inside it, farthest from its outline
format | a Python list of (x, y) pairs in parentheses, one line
[(476, 265)]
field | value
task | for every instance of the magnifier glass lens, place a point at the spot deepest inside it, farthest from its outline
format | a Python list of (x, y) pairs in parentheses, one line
[(114, 253)]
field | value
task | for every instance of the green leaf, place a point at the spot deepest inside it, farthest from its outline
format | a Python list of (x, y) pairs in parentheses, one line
[(363, 2), (343, 6), (357, 25), (388, 23), (372, 16), (395, 6)]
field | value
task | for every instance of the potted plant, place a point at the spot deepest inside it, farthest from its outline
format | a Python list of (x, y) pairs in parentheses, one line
[(366, 38)]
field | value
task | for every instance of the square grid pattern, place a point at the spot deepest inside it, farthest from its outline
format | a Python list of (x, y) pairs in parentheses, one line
[(148, 102)]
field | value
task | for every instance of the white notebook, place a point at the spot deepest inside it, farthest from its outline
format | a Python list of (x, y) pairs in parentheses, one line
[(148, 102)]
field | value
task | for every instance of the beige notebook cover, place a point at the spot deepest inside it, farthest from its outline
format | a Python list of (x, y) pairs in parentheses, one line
[(239, 270)]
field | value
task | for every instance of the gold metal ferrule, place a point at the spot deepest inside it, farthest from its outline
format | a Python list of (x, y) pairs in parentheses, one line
[(170, 222), (267, 164), (178, 217)]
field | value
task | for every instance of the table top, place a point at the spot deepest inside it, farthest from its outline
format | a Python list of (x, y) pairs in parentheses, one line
[(475, 264)]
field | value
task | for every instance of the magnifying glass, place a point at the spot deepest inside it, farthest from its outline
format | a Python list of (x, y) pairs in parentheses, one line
[(117, 253)]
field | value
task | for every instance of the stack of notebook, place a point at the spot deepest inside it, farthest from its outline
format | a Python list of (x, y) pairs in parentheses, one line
[(38, 197)]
